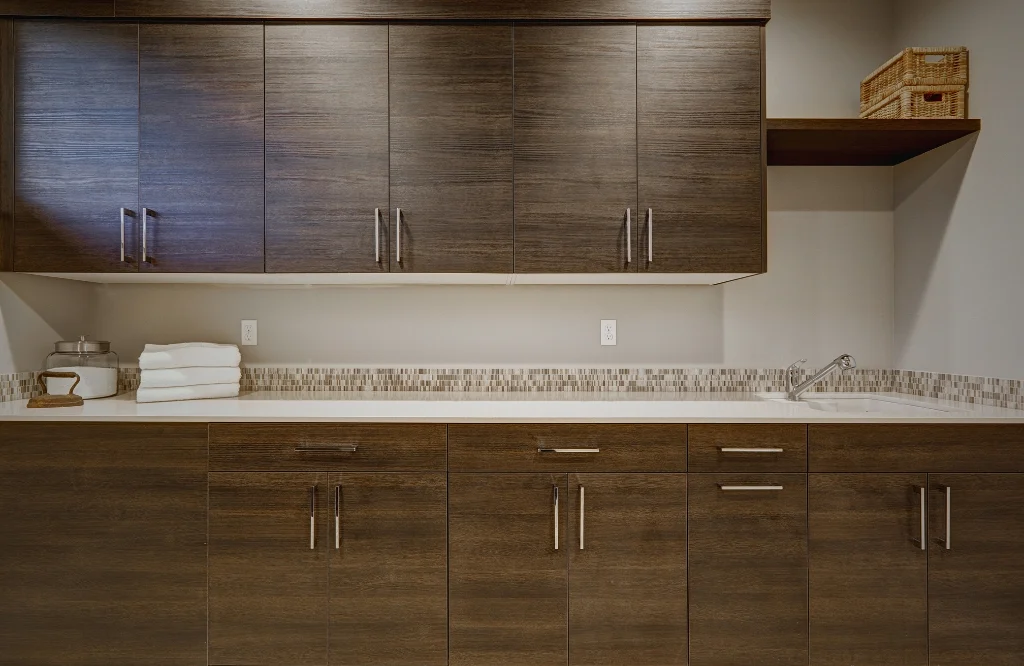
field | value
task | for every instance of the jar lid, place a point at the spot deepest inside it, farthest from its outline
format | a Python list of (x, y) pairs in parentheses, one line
[(81, 346)]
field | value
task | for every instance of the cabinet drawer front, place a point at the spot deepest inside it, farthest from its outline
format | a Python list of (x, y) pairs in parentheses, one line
[(748, 448), (336, 447), (916, 448), (567, 448)]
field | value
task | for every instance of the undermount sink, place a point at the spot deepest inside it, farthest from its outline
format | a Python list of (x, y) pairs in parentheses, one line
[(861, 405)]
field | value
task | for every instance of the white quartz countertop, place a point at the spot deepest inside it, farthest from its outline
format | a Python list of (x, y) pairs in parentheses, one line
[(525, 408)]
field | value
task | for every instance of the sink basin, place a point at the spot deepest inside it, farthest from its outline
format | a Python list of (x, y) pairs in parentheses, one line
[(862, 405)]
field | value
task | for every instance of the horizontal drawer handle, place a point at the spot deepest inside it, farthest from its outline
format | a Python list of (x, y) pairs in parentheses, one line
[(722, 486), (725, 449), (339, 448), (568, 450)]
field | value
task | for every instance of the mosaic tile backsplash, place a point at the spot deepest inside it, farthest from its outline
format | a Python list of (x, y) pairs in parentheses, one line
[(992, 392)]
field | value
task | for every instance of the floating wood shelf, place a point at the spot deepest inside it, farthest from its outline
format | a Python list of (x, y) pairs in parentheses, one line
[(857, 142)]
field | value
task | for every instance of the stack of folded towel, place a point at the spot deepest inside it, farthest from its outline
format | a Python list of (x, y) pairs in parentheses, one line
[(190, 371)]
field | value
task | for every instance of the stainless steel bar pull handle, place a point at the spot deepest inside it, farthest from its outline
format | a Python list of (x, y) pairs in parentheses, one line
[(924, 517), (947, 542), (124, 212), (398, 235), (726, 449), (568, 450), (376, 233), (629, 236), (328, 448), (337, 517), (556, 517), (145, 239), (727, 488), (312, 518), (583, 513), (650, 235)]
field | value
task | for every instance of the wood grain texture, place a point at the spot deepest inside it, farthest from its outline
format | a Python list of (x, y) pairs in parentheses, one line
[(706, 441), (508, 586), (379, 447), (448, 9), (868, 577), (58, 8), (575, 148), (7, 59), (103, 544), (327, 148), (513, 448), (627, 586), (389, 579), (859, 142), (451, 148), (748, 571), (699, 138), (201, 152), (976, 589), (916, 448), (268, 588), (77, 110)]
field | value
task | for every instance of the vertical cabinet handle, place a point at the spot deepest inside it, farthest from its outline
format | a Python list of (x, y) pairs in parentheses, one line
[(583, 514), (312, 518), (947, 542), (650, 235), (556, 516), (376, 233), (124, 212), (398, 234), (924, 517), (145, 218), (337, 517), (629, 236)]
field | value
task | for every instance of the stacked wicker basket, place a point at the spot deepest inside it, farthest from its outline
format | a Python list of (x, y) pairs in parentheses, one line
[(918, 83)]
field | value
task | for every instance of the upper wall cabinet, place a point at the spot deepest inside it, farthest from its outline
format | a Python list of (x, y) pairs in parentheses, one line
[(66, 8), (201, 149), (442, 9), (327, 148), (701, 164), (451, 148), (575, 120), (77, 142)]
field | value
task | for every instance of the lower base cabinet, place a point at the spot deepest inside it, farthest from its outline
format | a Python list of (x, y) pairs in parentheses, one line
[(102, 544)]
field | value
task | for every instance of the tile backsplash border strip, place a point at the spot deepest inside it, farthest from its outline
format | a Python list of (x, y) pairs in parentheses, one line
[(992, 392)]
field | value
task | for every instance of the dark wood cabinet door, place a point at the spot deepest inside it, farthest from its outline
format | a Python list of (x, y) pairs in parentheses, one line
[(508, 583), (77, 141), (627, 569), (575, 129), (748, 569), (327, 148), (701, 166), (201, 148), (868, 572), (976, 584), (102, 544), (268, 569), (451, 148), (388, 569)]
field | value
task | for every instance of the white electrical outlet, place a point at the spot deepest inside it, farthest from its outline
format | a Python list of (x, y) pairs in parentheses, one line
[(608, 337), (248, 332)]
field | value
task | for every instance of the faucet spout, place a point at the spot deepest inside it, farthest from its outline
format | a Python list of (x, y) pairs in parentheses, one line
[(841, 364)]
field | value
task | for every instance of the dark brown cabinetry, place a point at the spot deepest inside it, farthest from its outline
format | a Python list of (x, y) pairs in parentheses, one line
[(103, 544), (575, 129), (201, 148), (701, 167), (76, 98), (451, 148), (748, 569), (868, 569), (976, 569), (327, 148)]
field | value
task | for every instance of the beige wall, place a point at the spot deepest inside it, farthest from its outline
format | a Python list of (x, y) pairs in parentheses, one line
[(959, 225), (35, 312)]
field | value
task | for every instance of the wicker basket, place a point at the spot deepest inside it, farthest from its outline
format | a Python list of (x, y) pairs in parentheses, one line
[(945, 66), (941, 101)]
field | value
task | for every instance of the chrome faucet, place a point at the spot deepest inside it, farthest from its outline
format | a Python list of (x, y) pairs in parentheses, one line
[(793, 392)]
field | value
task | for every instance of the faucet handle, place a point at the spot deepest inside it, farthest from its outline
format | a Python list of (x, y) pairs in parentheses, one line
[(796, 366)]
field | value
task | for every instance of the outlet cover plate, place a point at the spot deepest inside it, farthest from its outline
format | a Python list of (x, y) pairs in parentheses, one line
[(249, 333), (609, 337)]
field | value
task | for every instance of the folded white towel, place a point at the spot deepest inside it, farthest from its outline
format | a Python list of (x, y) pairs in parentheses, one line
[(189, 355), (187, 393), (174, 377)]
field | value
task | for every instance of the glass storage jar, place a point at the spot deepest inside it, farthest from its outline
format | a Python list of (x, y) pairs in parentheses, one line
[(91, 360)]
